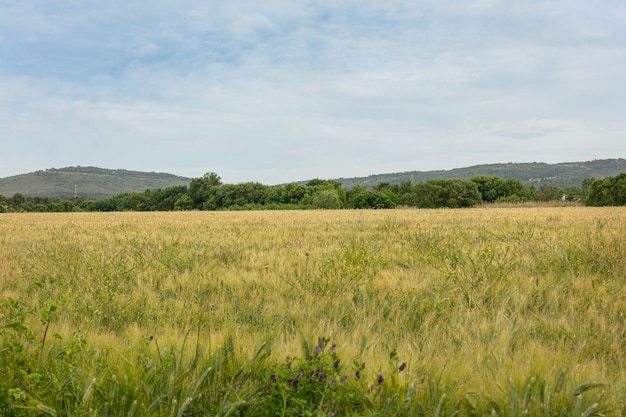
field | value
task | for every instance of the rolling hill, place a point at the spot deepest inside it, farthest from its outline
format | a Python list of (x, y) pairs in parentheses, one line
[(536, 173), (94, 183), (87, 182)]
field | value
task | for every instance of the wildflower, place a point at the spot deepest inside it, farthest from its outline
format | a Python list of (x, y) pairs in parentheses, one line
[(380, 379), (336, 364), (402, 367), (273, 378), (321, 343), (332, 348), (357, 374)]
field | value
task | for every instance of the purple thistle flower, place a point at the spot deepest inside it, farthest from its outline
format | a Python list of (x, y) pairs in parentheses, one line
[(273, 378), (402, 367), (321, 344), (357, 374), (336, 364), (380, 379)]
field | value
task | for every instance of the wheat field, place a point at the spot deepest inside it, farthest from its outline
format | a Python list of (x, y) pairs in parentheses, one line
[(485, 311)]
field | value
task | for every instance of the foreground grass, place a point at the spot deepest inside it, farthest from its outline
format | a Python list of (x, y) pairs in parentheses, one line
[(435, 312)]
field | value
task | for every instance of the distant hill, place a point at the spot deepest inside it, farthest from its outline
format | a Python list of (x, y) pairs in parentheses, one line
[(92, 182), (536, 173), (88, 182)]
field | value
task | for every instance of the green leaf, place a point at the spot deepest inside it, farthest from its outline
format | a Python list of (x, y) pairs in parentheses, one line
[(586, 387)]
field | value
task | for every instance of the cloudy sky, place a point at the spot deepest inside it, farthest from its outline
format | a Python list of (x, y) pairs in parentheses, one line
[(284, 90)]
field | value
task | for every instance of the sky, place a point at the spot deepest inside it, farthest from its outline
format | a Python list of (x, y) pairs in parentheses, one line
[(276, 91)]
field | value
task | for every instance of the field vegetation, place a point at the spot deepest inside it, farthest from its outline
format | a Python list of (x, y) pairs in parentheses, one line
[(470, 312)]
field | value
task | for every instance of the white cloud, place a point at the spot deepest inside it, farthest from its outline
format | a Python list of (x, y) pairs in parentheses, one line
[(285, 90)]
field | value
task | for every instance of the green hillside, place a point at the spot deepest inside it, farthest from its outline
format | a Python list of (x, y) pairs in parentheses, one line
[(87, 182), (95, 183), (537, 173)]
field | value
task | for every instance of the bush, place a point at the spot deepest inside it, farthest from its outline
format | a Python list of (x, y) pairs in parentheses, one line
[(317, 385), (327, 199)]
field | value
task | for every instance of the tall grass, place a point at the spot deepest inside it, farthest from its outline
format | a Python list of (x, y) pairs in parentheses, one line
[(436, 312)]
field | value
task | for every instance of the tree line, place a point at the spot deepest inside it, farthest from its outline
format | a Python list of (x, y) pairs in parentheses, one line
[(210, 193)]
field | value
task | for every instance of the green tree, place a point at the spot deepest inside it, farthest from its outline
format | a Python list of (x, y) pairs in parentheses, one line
[(390, 190), (352, 193), (201, 189), (494, 189), (609, 191), (373, 199), (326, 199), (294, 193), (316, 182), (319, 185), (452, 193), (585, 188), (548, 193), (572, 193), (489, 187), (17, 200), (184, 202), (246, 194)]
